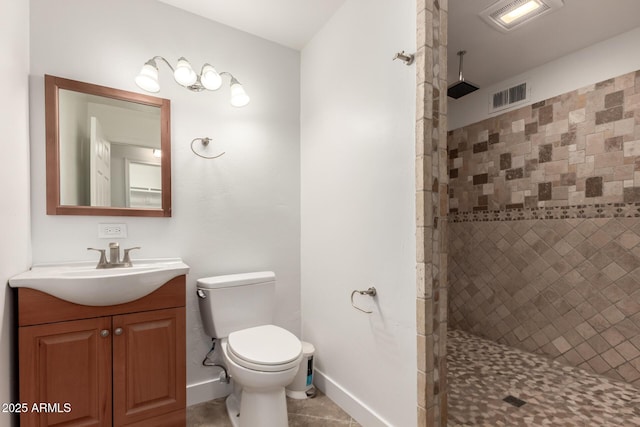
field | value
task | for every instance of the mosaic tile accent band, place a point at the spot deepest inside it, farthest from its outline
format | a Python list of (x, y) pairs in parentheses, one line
[(607, 210), (568, 289), (579, 148)]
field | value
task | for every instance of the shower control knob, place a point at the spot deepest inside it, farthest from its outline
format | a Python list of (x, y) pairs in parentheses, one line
[(104, 333)]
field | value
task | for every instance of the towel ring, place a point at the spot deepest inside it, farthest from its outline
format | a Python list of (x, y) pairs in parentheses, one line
[(205, 141), (371, 292)]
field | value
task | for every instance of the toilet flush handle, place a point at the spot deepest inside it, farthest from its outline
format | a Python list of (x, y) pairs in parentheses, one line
[(201, 294)]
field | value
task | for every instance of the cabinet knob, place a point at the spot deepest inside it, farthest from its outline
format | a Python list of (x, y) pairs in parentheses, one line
[(104, 333), (118, 331)]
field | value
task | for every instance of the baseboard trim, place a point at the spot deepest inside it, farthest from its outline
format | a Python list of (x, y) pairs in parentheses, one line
[(347, 401), (207, 390)]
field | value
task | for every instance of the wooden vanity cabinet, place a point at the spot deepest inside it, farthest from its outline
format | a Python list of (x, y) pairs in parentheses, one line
[(121, 365)]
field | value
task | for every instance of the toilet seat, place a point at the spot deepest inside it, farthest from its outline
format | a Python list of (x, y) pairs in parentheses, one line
[(267, 348)]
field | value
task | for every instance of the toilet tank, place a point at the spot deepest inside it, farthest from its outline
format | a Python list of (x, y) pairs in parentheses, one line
[(236, 301)]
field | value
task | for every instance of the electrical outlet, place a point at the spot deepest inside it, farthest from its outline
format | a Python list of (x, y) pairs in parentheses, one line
[(109, 231)]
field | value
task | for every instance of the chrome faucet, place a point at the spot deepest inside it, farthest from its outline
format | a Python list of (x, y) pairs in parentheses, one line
[(114, 256)]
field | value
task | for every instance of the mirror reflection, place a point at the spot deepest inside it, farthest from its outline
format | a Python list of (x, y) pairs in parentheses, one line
[(108, 151)]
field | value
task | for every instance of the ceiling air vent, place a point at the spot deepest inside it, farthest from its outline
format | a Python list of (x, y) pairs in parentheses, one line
[(505, 15), (510, 97)]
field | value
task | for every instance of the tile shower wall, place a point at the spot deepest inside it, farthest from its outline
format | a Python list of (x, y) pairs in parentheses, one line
[(544, 228), (567, 288), (579, 148), (431, 211)]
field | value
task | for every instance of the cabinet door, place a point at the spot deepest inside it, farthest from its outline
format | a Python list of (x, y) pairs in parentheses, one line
[(149, 371), (66, 363)]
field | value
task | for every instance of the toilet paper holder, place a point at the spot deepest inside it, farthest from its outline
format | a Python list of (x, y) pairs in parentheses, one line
[(371, 292)]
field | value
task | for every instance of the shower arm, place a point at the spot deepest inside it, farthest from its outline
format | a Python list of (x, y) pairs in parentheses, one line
[(461, 54)]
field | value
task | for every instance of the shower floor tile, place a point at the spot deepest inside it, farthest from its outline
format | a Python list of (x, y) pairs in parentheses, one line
[(483, 373)]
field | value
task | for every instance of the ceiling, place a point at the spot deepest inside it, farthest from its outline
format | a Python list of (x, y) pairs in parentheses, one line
[(491, 56), (291, 23)]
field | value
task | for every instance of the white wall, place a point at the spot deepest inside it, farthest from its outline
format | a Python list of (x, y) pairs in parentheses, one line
[(238, 213), (15, 247), (358, 210), (601, 61)]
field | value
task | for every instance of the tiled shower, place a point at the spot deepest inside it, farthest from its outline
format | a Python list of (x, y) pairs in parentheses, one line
[(544, 229)]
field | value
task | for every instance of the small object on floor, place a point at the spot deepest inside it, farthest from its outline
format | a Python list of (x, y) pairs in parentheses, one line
[(311, 393), (514, 401)]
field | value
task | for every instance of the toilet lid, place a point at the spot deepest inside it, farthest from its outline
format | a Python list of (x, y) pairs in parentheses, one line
[(265, 345)]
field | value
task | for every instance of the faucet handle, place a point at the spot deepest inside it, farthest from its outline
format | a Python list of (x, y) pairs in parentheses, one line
[(126, 259), (103, 258)]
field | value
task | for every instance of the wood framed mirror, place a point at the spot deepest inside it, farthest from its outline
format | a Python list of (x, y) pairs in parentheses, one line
[(108, 151)]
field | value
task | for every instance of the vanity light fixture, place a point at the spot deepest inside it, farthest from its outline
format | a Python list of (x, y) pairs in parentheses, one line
[(186, 77), (505, 15)]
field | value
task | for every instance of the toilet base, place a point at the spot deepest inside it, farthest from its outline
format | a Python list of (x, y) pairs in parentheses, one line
[(233, 409), (258, 409), (263, 408)]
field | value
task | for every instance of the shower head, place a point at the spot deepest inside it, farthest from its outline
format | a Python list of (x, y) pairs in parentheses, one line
[(461, 87)]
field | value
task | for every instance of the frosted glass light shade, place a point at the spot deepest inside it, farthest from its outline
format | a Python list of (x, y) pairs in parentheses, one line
[(147, 79), (210, 78), (184, 74), (239, 97), (186, 77)]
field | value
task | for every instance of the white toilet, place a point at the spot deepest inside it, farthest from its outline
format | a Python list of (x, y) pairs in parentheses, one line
[(261, 358)]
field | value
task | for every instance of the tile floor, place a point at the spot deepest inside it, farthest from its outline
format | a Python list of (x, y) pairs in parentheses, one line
[(482, 373), (319, 411)]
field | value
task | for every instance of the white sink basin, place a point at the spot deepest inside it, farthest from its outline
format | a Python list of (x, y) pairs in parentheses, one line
[(82, 283)]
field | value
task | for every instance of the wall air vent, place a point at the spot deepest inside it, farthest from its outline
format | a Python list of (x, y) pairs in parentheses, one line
[(506, 15), (509, 97)]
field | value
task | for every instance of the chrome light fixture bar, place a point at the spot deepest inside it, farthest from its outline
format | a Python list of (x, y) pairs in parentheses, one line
[(186, 77)]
